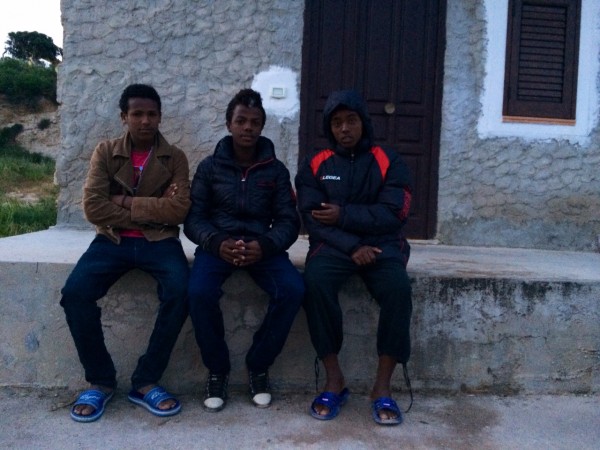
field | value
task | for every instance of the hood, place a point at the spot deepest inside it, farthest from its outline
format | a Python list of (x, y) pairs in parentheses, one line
[(348, 99)]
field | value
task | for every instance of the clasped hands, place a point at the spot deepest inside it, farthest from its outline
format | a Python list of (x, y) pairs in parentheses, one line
[(329, 215), (240, 253)]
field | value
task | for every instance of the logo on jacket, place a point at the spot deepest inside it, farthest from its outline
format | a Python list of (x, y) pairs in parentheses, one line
[(330, 177)]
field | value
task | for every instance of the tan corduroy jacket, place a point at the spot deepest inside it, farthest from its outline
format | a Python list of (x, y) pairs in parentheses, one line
[(111, 173)]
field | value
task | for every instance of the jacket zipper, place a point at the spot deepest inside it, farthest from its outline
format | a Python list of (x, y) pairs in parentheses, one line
[(245, 177)]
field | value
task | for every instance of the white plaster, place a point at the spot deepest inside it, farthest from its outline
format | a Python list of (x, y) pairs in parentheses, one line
[(490, 123), (278, 78)]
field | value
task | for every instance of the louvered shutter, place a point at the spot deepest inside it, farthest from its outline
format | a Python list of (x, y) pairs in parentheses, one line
[(541, 59)]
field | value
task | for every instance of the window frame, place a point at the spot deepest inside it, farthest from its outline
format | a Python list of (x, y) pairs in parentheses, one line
[(534, 48)]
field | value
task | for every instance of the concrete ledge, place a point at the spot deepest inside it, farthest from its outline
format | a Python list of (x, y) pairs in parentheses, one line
[(485, 319)]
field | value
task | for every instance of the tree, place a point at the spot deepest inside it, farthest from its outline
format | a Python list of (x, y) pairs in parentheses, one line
[(32, 46)]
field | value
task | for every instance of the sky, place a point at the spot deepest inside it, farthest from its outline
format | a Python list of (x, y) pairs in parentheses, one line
[(42, 16)]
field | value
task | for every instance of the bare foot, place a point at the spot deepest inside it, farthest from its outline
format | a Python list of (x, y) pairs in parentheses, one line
[(335, 386), (384, 414), (165, 404), (381, 387), (335, 381), (86, 410)]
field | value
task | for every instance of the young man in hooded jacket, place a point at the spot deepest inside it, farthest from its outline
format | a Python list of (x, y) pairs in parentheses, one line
[(354, 198), (243, 215)]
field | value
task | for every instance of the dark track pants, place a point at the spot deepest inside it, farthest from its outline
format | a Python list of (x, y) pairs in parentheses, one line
[(388, 283)]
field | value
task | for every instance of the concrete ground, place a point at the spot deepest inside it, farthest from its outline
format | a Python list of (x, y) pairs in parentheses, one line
[(32, 419)]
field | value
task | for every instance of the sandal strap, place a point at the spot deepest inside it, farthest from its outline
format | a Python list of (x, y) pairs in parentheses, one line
[(93, 398), (386, 403), (328, 399), (157, 395), (407, 380)]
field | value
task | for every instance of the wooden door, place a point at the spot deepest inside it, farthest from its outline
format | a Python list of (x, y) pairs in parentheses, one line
[(391, 51)]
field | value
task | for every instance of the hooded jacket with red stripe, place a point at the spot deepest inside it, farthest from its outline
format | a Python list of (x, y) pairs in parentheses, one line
[(370, 184)]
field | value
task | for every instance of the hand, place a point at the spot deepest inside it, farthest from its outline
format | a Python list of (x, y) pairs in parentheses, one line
[(124, 201), (228, 251), (328, 214), (171, 191), (240, 253), (365, 255), (250, 254)]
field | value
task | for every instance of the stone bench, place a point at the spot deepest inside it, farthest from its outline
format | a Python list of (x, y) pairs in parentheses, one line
[(485, 319)]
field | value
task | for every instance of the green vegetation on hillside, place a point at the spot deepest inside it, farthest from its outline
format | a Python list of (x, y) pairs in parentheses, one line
[(25, 84), (22, 172), (27, 191)]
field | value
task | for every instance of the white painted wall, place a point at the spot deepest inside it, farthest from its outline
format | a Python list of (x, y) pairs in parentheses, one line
[(279, 91)]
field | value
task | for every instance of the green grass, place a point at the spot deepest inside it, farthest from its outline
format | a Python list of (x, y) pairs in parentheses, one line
[(26, 173)]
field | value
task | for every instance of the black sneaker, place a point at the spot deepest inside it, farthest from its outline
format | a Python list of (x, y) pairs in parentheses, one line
[(215, 393), (260, 389)]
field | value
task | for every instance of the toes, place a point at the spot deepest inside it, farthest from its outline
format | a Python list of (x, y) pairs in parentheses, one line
[(386, 415), (167, 404), (83, 410), (322, 410)]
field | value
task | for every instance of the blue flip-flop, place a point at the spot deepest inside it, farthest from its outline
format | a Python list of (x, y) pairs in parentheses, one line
[(152, 399), (330, 400), (386, 403), (94, 398)]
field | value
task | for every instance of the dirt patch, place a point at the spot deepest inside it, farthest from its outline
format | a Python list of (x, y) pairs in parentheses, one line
[(46, 141)]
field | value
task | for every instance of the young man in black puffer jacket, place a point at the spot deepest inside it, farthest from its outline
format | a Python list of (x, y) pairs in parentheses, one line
[(243, 215)]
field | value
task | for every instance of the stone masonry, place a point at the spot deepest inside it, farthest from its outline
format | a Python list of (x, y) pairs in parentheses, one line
[(196, 53), (504, 192), (507, 192)]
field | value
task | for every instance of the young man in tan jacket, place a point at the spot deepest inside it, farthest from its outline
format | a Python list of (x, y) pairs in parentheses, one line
[(136, 194)]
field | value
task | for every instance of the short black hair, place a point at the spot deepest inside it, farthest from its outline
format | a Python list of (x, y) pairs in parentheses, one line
[(249, 98), (138, 91)]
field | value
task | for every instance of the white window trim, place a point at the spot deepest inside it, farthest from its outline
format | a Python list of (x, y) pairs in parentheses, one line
[(490, 123)]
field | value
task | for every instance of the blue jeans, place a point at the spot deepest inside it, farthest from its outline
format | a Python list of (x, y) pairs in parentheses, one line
[(276, 275), (388, 283), (97, 270)]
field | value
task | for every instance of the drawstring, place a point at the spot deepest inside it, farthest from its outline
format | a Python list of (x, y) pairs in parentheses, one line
[(407, 380), (316, 374)]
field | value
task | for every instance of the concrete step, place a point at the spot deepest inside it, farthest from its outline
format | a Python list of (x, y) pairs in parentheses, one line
[(485, 320)]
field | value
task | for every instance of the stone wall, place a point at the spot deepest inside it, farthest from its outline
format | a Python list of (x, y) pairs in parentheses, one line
[(479, 323), (196, 53), (505, 192)]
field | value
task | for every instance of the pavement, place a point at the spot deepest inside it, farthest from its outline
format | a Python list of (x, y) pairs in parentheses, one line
[(39, 419)]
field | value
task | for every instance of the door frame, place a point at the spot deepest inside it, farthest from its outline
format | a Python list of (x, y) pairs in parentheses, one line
[(438, 76)]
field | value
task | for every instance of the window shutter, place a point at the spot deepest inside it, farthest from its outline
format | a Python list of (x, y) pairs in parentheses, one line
[(541, 59)]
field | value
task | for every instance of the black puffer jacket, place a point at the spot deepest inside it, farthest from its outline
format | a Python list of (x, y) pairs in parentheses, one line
[(257, 203), (370, 184)]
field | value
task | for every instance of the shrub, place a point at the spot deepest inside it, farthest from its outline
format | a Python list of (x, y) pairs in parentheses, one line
[(23, 83), (9, 134), (43, 124)]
